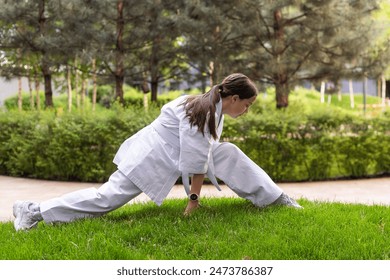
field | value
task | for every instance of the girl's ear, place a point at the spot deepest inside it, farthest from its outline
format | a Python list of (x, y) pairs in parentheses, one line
[(235, 98)]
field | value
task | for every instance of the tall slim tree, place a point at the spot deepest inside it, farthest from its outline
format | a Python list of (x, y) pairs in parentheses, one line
[(74, 28), (43, 50), (116, 38), (162, 56)]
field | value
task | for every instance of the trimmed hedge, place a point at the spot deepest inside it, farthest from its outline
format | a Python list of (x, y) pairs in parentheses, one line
[(303, 142), (309, 151), (68, 147)]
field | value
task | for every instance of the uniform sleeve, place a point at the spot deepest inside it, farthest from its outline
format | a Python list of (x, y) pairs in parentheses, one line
[(195, 149)]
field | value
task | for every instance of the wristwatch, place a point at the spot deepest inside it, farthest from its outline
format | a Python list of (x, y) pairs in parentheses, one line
[(193, 197)]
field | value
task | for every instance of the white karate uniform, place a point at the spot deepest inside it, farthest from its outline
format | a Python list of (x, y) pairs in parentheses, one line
[(153, 159)]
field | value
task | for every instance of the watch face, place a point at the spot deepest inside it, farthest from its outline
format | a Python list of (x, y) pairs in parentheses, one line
[(194, 196)]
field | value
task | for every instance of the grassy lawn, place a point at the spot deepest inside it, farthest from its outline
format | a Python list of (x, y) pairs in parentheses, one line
[(225, 228), (312, 98)]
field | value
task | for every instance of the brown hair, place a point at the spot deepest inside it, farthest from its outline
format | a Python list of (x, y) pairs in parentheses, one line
[(198, 107)]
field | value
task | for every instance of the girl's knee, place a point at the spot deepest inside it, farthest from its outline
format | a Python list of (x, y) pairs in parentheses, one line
[(226, 150), (229, 147)]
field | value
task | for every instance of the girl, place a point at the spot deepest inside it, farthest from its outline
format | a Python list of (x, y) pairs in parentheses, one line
[(182, 141)]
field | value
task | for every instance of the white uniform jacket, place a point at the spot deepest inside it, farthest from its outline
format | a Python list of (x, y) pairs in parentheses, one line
[(156, 156)]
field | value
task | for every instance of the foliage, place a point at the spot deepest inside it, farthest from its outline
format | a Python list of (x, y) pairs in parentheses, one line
[(61, 102), (307, 141), (78, 146), (105, 97), (140, 42), (312, 142), (313, 40), (225, 228), (382, 16), (135, 99)]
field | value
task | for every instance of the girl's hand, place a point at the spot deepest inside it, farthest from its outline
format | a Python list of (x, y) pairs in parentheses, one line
[(191, 207), (196, 186)]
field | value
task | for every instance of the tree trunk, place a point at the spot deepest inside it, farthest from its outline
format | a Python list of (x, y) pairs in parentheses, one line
[(30, 91), (154, 89), (154, 71), (94, 79), (365, 90), (44, 64), (322, 92), (48, 89), (69, 90), (20, 101), (145, 90), (203, 82), (48, 92), (339, 93), (337, 88), (119, 72), (119, 80), (351, 97), (82, 94), (76, 84), (37, 85), (383, 79), (145, 102), (282, 91), (280, 76), (213, 73)]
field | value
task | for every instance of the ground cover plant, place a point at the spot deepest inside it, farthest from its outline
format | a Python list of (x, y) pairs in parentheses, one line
[(224, 228)]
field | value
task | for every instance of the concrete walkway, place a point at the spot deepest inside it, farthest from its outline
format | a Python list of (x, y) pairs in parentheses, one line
[(365, 191)]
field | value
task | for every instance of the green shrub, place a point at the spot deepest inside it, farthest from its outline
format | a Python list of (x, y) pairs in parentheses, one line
[(132, 97), (67, 147), (306, 141), (60, 102), (302, 143), (11, 103)]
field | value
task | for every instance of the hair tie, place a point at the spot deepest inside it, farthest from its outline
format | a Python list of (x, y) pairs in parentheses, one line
[(216, 87)]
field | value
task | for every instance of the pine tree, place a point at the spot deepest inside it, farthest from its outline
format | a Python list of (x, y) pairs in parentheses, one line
[(161, 57), (310, 40), (213, 36), (33, 30), (117, 39)]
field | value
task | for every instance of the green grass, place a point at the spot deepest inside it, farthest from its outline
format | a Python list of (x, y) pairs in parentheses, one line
[(225, 228), (312, 99)]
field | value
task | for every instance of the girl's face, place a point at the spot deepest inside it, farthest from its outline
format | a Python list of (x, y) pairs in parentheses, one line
[(235, 107)]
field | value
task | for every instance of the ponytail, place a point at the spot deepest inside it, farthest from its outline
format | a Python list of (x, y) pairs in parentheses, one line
[(214, 99)]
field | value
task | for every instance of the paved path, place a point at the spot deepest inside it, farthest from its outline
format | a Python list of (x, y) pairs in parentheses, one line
[(366, 191)]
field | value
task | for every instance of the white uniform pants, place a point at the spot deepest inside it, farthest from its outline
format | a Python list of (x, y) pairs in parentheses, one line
[(231, 165), (244, 176), (90, 202)]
